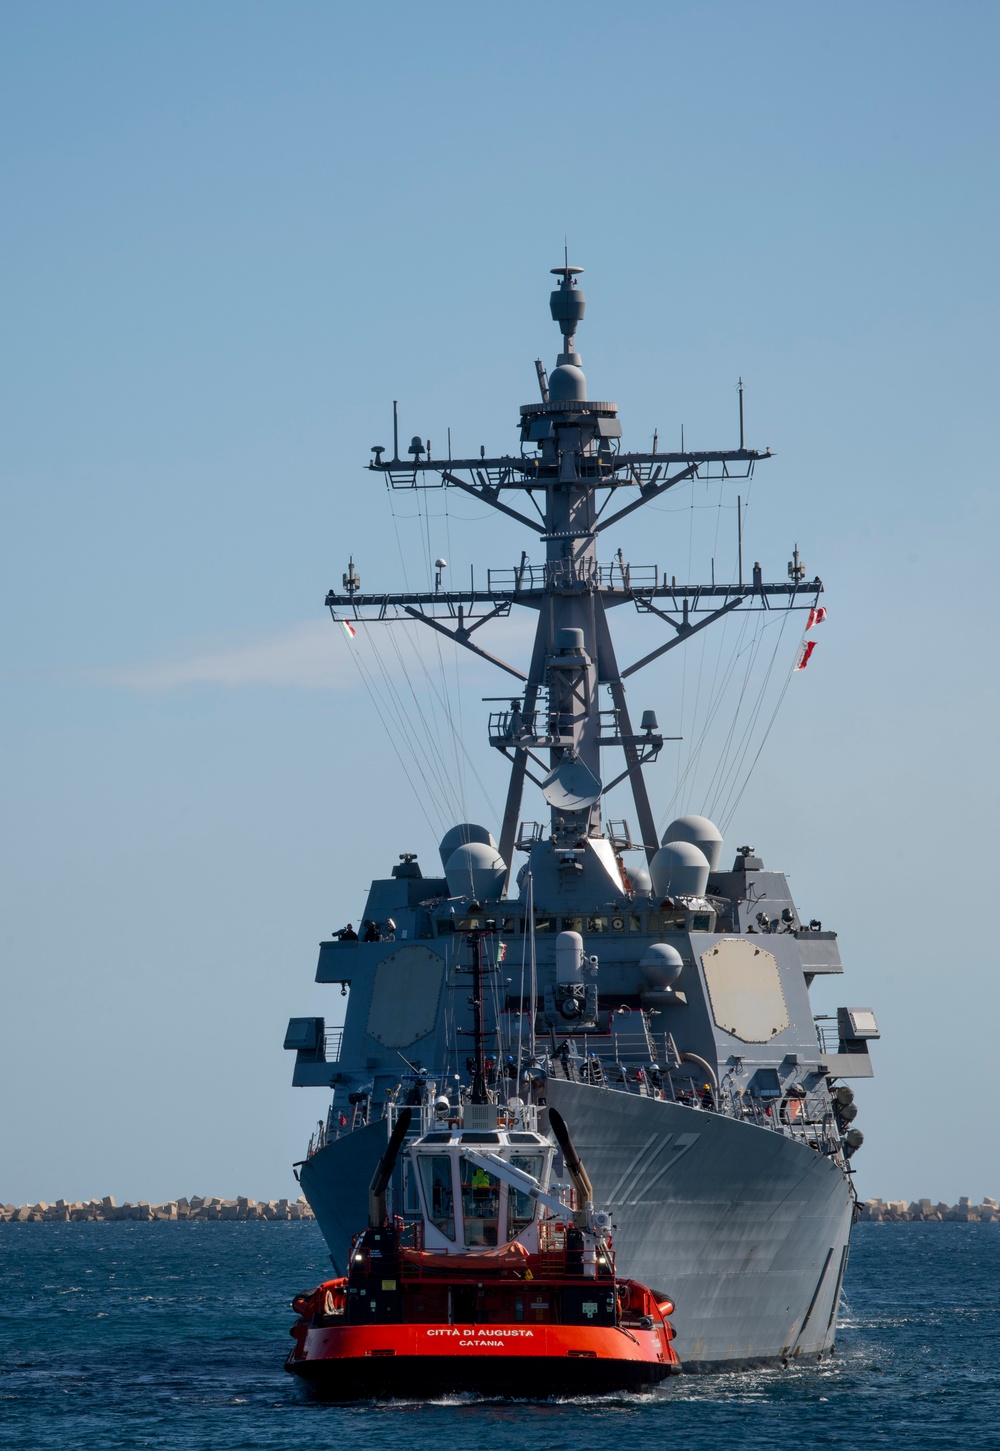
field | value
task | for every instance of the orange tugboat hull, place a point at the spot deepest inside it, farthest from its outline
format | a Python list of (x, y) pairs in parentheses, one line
[(358, 1362)]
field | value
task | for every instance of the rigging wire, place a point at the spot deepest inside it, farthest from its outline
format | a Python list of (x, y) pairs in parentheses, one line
[(444, 783), (722, 763), (457, 735), (461, 746), (392, 741), (774, 715), (716, 699), (436, 761), (728, 780), (704, 636), (684, 652), (426, 755), (751, 724)]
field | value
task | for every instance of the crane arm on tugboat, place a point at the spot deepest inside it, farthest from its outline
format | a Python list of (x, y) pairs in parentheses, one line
[(519, 1180)]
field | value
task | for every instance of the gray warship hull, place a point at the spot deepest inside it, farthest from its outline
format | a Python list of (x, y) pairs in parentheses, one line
[(745, 1229)]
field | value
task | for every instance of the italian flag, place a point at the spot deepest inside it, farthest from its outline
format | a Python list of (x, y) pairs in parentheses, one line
[(349, 629)]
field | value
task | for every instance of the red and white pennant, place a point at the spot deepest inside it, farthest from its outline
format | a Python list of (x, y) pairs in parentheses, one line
[(816, 617)]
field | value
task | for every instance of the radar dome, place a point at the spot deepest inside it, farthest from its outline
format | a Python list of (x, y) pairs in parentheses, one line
[(567, 384), (475, 870), (640, 880), (661, 965), (679, 869), (461, 835), (701, 832)]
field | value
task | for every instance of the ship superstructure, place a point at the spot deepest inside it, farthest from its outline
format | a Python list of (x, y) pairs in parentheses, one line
[(658, 999)]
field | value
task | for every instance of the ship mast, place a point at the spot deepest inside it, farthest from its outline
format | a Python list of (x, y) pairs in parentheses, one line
[(570, 472)]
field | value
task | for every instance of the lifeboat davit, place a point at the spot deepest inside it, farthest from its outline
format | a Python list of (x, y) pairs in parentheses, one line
[(452, 1301)]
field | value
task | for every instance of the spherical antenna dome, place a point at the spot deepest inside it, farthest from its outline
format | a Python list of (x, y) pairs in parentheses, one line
[(475, 870), (640, 880), (567, 384), (701, 832), (679, 869), (459, 835), (661, 965)]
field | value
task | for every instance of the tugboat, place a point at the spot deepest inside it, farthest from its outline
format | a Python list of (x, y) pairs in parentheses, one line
[(498, 1286)]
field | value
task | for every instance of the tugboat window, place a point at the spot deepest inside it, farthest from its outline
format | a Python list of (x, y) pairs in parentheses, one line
[(521, 1207), (435, 1172), (480, 1204)]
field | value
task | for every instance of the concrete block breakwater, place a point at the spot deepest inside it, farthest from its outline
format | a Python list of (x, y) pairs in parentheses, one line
[(922, 1211), (199, 1208)]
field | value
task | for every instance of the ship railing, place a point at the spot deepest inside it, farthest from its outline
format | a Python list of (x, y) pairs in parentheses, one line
[(828, 1038), (645, 1064), (586, 573), (552, 1246), (341, 1120), (332, 1040), (426, 1117)]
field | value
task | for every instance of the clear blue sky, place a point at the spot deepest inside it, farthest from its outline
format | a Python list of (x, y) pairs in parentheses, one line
[(233, 233)]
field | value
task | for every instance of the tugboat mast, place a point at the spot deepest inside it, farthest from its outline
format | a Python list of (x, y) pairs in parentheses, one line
[(570, 471)]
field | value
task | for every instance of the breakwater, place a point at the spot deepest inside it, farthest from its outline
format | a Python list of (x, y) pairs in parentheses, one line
[(923, 1211), (878, 1211), (201, 1207)]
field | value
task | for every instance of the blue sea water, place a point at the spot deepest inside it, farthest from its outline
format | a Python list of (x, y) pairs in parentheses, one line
[(173, 1336)]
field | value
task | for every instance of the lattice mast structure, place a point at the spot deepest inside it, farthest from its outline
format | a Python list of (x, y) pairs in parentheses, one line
[(573, 474)]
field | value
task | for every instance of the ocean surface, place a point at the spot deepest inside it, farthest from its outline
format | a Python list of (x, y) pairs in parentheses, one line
[(173, 1335)]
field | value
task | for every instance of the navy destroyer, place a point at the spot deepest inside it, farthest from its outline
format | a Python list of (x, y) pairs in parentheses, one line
[(655, 996)]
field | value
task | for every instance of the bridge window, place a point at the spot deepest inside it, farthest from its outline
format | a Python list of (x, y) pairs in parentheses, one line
[(480, 1204), (435, 1173), (520, 1207)]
